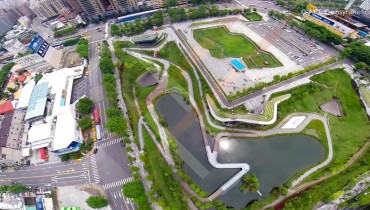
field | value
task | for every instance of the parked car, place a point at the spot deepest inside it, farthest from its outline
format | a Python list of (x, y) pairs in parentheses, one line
[(95, 150)]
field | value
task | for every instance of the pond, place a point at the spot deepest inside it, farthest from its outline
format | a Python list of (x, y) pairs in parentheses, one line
[(273, 160)]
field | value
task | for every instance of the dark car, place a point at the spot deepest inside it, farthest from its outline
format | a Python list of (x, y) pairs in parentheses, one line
[(123, 144), (95, 150)]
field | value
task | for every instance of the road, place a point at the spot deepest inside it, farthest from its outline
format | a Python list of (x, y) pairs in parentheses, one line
[(111, 163), (241, 100)]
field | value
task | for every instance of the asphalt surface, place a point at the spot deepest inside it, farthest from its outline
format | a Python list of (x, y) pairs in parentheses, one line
[(111, 160)]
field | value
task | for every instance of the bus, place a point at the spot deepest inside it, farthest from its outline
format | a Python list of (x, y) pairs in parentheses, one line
[(96, 115), (98, 132)]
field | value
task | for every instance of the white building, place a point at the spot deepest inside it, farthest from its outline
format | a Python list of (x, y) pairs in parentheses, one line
[(14, 46), (57, 127)]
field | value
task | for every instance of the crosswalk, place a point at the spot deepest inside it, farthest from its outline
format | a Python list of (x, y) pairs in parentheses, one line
[(106, 143), (118, 183), (95, 169), (119, 195)]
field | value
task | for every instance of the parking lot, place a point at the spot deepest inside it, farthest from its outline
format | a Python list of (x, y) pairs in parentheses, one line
[(79, 89), (299, 48)]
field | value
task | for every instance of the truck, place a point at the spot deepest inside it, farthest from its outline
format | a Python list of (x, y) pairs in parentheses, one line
[(96, 115)]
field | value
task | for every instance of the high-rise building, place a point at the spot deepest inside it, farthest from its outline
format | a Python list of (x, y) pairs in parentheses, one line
[(25, 10), (5, 24), (92, 7), (47, 9), (363, 12), (75, 6)]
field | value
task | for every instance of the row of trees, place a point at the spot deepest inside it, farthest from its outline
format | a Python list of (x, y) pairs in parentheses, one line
[(138, 26), (116, 123), (71, 42), (203, 11), (84, 107), (83, 48), (69, 30), (3, 75), (14, 188), (358, 52)]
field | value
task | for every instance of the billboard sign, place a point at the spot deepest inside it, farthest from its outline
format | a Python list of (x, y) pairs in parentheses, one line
[(39, 45), (325, 20)]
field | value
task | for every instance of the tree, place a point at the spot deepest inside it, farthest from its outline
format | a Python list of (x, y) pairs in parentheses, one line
[(17, 188), (97, 202), (85, 123), (83, 48), (136, 191), (117, 125), (113, 112), (85, 105), (115, 30), (250, 183), (158, 18), (361, 66), (38, 77)]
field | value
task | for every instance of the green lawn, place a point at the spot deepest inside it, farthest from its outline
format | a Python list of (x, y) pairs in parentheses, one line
[(133, 69), (221, 44), (349, 132), (125, 44), (177, 80), (365, 92), (164, 183), (253, 16)]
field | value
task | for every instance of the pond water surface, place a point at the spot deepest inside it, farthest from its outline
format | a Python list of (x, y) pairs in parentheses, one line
[(273, 160)]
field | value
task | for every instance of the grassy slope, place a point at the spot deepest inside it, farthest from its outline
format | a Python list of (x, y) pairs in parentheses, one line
[(133, 69), (172, 53), (177, 80), (349, 132), (267, 114), (365, 92), (161, 174)]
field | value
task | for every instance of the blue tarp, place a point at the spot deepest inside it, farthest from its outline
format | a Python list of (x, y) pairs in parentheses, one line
[(39, 204)]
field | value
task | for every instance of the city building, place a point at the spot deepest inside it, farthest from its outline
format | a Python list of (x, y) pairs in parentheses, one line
[(31, 63), (14, 46), (6, 24), (332, 25), (92, 7), (75, 6), (363, 12), (51, 114), (145, 39), (24, 21), (10, 137), (47, 52)]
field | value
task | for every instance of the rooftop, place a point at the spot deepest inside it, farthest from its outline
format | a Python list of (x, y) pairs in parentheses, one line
[(36, 106), (7, 107), (25, 95), (145, 38)]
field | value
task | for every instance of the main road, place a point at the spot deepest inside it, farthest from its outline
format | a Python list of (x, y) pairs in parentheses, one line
[(110, 163)]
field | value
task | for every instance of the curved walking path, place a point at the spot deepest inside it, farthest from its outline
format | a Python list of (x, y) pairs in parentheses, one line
[(245, 119), (212, 154)]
